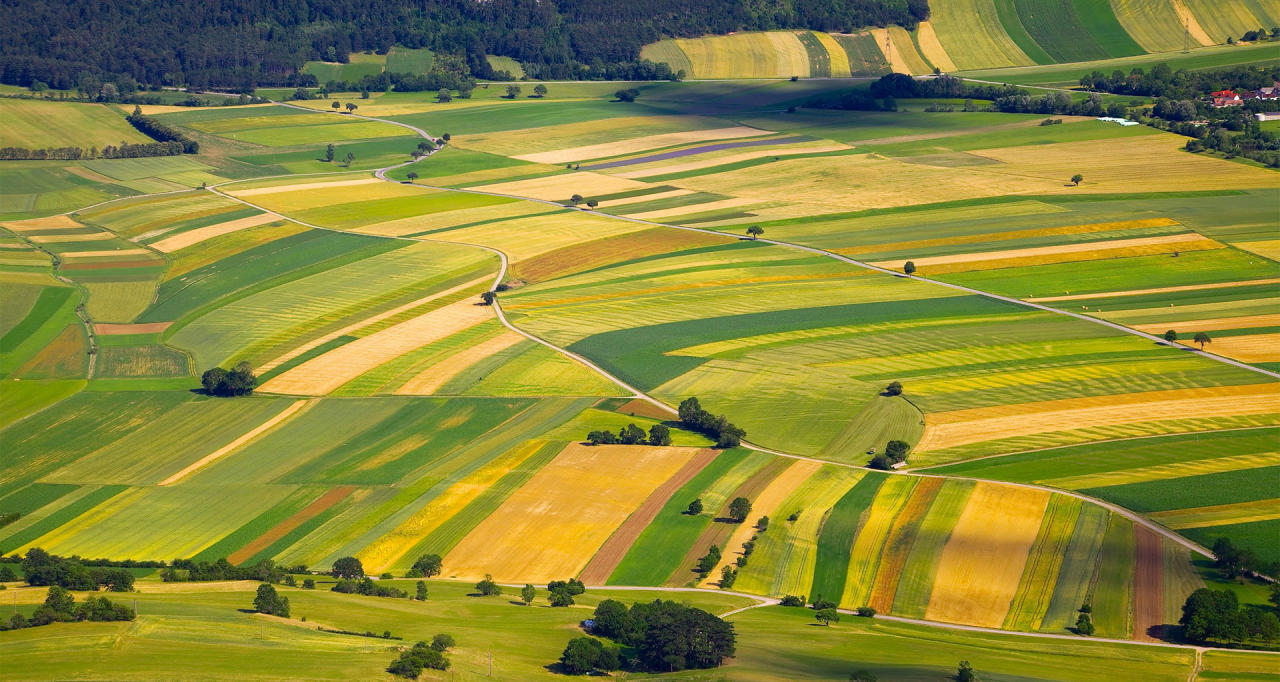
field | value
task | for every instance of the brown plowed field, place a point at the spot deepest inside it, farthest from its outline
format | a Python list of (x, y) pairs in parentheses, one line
[(1148, 584), (616, 547), (286, 526)]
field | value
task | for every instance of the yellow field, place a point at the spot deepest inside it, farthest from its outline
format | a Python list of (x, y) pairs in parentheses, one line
[(551, 527), (1012, 209), (1157, 290), (437, 375), (527, 237), (971, 33), (388, 549), (640, 144), (982, 562), (372, 319), (711, 160), (443, 219), (64, 238), (1147, 21), (191, 237), (1190, 326), (1266, 249), (327, 184), (555, 138), (333, 369), (106, 253), (1099, 249), (839, 59), (282, 416), (693, 208), (932, 48), (563, 186), (868, 546), (1124, 164), (765, 504), (962, 427), (329, 194), (1247, 348), (1220, 514), (776, 54), (1159, 472)]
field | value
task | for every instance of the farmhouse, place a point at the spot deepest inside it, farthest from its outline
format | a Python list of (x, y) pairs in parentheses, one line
[(1226, 98)]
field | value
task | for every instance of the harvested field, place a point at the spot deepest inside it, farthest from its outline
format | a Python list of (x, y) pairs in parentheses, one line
[(962, 427), (1148, 585), (1100, 249), (432, 378), (56, 222), (551, 527), (317, 184), (1157, 290), (105, 254), (639, 144), (286, 526), (333, 369), (982, 562), (1203, 325), (932, 49), (108, 329), (282, 416), (1246, 348), (1219, 514), (63, 238), (192, 237), (562, 186), (691, 151), (598, 253), (616, 547)]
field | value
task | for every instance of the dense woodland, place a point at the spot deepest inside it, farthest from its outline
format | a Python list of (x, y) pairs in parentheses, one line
[(248, 43)]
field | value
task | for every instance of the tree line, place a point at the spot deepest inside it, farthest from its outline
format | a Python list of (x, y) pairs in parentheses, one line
[(659, 636), (718, 427), (170, 142), (250, 43), (60, 607)]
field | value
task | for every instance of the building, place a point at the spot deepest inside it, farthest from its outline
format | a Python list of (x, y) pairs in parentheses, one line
[(1226, 98), (1268, 116)]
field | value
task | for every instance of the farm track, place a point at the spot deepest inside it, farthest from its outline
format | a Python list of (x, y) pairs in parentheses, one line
[(638, 394)]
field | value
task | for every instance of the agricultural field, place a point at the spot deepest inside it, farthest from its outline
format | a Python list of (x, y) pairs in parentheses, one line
[(37, 124)]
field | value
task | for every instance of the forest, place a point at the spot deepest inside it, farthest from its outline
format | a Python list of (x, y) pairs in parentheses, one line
[(243, 44)]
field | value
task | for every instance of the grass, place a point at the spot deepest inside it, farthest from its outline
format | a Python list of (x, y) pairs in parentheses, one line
[(1258, 536), (1077, 569), (1044, 564), (1243, 485), (835, 543), (23, 534), (1111, 589), (39, 124)]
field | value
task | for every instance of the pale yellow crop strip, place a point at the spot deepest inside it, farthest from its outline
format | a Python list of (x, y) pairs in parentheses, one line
[(1101, 248), (287, 413), (1157, 290), (432, 378), (1160, 472), (1219, 514), (868, 545), (192, 237)]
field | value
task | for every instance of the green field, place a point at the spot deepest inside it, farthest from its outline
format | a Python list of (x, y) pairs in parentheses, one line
[(37, 124)]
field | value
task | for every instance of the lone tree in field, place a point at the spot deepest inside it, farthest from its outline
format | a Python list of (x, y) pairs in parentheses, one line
[(444, 97), (1171, 336), (966, 673), (894, 388), (527, 593), (427, 566), (351, 107), (1202, 338), (592, 203), (1077, 179), (755, 231), (267, 601), (487, 587), (539, 90), (336, 105), (739, 508), (350, 157), (227, 384), (413, 175), (695, 507), (488, 297), (421, 591), (576, 199), (513, 91), (347, 567), (827, 616), (328, 153), (909, 267), (627, 95)]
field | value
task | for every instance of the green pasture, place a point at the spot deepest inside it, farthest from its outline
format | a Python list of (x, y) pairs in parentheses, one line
[(40, 124), (836, 541), (1242, 485), (358, 66)]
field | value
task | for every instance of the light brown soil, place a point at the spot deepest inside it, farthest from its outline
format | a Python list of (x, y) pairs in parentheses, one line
[(643, 408), (286, 526), (1148, 584), (610, 555), (108, 329)]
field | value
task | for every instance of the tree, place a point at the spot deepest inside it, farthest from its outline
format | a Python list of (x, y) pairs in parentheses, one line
[(728, 576), (592, 203), (627, 95), (488, 297), (558, 598), (909, 267), (350, 157), (896, 450), (659, 435), (755, 231), (421, 591), (412, 175), (527, 593), (862, 676), (442, 642), (237, 382), (965, 672), (336, 105), (1211, 614), (827, 616), (212, 379), (309, 584), (347, 567), (1084, 625), (865, 612), (576, 199), (894, 388), (1171, 336), (513, 91), (267, 601), (585, 654), (1202, 338), (328, 153), (427, 566), (695, 507), (739, 508), (1077, 179), (444, 96), (540, 90), (351, 107), (487, 587), (763, 524)]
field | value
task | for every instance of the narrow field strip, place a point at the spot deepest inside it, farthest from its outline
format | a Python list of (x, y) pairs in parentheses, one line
[(1100, 248), (699, 164), (429, 380), (1022, 208), (902, 538), (1249, 347), (873, 534), (1148, 585), (103, 254), (331, 370), (639, 144), (1160, 472), (1202, 325), (62, 238), (109, 329), (915, 586), (192, 237), (836, 537), (1218, 514), (1044, 564), (320, 505), (982, 562), (284, 415), (258, 191), (1157, 290), (611, 553), (56, 222)]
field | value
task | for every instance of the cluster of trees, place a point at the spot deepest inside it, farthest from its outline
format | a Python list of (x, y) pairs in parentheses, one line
[(58, 42), (188, 570), (588, 654), (1216, 615), (488, 588), (240, 380), (423, 656), (427, 566), (41, 568), (729, 574), (1084, 621), (709, 560), (665, 636), (1164, 81), (368, 588), (895, 451), (1237, 561), (123, 151), (268, 601), (159, 131), (60, 607), (632, 435), (561, 592), (718, 427)]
